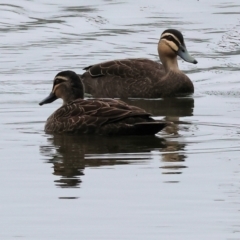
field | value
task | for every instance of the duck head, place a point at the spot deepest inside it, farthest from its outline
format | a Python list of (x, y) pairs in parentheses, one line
[(171, 45), (66, 85)]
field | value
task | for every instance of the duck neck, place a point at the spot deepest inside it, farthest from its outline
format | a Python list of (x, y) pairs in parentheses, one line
[(169, 64), (67, 100), (75, 94)]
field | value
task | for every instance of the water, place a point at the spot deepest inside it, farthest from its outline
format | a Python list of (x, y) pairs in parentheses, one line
[(181, 184)]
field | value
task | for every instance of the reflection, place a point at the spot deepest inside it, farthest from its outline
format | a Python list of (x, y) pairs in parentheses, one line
[(172, 158), (70, 154), (170, 107)]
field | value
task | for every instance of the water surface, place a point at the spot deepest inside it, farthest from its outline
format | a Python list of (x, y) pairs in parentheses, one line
[(180, 184)]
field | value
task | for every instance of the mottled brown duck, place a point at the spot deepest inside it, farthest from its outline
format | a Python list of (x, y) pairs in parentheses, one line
[(143, 78), (94, 116)]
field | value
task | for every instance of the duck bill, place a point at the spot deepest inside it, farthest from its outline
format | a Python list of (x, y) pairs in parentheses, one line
[(51, 98), (183, 53)]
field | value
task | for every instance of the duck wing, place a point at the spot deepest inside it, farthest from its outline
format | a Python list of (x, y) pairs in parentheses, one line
[(103, 116), (122, 78)]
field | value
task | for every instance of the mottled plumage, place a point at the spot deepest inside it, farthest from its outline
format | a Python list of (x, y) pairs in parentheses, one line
[(94, 116), (142, 78)]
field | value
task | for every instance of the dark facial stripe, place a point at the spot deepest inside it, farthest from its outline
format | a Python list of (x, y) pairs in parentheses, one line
[(170, 38), (59, 80)]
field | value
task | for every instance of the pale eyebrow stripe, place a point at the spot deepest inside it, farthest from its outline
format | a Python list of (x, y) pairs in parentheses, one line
[(61, 77), (167, 34), (54, 88)]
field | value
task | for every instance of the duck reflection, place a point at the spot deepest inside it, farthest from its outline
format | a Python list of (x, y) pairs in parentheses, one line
[(169, 107), (172, 109), (71, 154), (173, 157)]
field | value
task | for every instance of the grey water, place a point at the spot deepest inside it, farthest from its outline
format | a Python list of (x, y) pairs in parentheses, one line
[(182, 183)]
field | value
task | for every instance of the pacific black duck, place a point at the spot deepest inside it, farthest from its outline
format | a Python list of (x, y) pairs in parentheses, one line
[(94, 116), (143, 78)]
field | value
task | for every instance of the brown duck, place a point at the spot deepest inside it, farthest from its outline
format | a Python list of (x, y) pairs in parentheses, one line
[(94, 116), (143, 78)]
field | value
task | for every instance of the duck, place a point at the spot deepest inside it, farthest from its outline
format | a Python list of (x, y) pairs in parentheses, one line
[(140, 77), (94, 116)]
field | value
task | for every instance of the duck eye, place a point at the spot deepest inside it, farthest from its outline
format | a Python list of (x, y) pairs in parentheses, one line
[(169, 37), (58, 80)]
